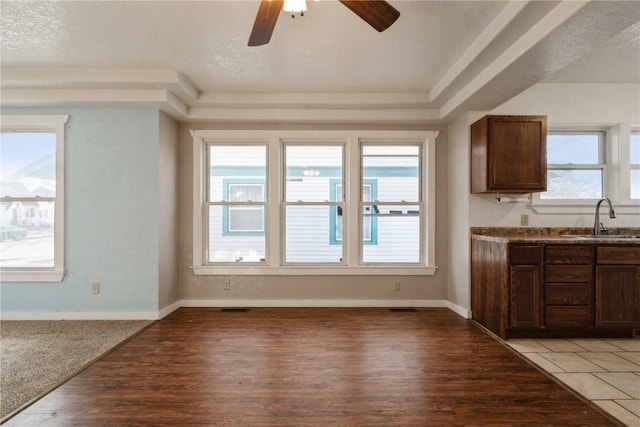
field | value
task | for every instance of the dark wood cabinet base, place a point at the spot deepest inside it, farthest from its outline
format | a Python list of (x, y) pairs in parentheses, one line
[(555, 290)]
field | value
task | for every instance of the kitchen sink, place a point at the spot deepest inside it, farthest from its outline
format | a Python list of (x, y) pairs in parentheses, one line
[(601, 236)]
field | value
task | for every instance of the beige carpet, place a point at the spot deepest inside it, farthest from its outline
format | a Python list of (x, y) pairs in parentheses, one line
[(38, 356)]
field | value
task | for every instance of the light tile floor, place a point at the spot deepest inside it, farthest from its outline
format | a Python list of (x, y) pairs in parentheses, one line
[(605, 371)]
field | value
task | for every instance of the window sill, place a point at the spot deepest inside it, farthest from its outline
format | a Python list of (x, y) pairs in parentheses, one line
[(31, 276), (247, 270), (585, 207)]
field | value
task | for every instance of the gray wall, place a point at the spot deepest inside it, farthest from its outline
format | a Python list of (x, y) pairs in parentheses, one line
[(306, 289)]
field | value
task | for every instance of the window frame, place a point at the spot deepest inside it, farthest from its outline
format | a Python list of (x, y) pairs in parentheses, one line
[(420, 201), (54, 124), (633, 166), (601, 166), (616, 175), (207, 203), (285, 202), (275, 205)]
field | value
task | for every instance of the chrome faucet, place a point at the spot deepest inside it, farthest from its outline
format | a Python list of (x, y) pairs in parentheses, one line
[(597, 225)]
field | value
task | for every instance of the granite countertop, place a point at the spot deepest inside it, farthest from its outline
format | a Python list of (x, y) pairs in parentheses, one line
[(556, 235)]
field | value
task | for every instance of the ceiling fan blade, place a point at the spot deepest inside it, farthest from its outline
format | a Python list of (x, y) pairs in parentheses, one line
[(265, 22), (377, 13)]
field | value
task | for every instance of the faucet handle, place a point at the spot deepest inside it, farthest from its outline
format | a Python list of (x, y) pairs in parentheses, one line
[(602, 229)]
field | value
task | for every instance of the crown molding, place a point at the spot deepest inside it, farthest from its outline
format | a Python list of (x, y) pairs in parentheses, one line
[(173, 93)]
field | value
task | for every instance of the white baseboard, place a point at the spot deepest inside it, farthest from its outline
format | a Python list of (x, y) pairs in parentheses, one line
[(303, 303), (461, 311), (80, 315), (169, 309), (266, 303)]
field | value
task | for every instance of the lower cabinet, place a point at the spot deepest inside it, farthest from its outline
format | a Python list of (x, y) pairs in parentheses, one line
[(618, 287), (524, 287), (556, 290), (568, 286)]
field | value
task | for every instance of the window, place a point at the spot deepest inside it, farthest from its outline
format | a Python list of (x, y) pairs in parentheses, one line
[(575, 166), (308, 205), (397, 204), (635, 164), (235, 224), (32, 198), (313, 202)]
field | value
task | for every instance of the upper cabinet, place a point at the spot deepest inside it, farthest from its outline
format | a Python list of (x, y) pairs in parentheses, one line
[(509, 154)]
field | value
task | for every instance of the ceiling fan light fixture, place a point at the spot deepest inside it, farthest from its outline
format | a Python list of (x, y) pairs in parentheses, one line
[(295, 6)]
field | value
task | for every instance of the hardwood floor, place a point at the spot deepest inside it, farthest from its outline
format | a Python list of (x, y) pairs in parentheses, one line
[(311, 367)]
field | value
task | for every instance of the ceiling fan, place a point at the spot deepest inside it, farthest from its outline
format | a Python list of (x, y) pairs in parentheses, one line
[(377, 13)]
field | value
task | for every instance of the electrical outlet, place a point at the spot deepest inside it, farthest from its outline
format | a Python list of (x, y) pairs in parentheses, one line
[(524, 219), (396, 287), (227, 285), (95, 288)]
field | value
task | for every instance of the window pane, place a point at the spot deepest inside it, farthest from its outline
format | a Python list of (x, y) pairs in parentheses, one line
[(309, 169), (228, 246), (26, 234), (368, 193), (246, 192), (573, 149), (635, 183), (573, 184), (247, 219), (398, 236), (635, 148), (396, 170), (236, 165), (27, 164), (307, 235)]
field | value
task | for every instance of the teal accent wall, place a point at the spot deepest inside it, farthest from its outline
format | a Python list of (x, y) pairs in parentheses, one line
[(112, 221)]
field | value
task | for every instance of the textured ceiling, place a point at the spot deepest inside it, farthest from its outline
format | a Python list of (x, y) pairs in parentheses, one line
[(436, 53)]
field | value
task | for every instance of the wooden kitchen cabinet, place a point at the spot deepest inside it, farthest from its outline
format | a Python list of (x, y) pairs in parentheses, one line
[(508, 154), (618, 287), (540, 289), (524, 287), (568, 286)]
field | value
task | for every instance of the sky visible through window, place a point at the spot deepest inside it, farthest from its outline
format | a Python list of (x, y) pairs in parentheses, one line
[(21, 149)]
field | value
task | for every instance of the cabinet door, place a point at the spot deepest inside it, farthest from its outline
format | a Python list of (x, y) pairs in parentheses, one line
[(525, 297), (517, 154), (618, 295)]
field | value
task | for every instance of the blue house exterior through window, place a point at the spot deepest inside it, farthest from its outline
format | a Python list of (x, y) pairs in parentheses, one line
[(370, 223), (243, 220)]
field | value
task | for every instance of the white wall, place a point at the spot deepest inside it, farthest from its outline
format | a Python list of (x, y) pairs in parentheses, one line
[(563, 104)]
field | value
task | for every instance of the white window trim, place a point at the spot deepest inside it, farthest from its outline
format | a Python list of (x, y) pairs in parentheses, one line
[(39, 123), (632, 166), (616, 178), (274, 140)]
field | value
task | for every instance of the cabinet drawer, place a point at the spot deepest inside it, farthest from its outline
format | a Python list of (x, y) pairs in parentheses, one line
[(567, 294), (618, 255), (568, 273), (568, 254), (557, 316), (525, 254)]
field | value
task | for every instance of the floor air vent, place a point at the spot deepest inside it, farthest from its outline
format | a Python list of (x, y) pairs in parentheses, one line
[(235, 310), (403, 309)]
